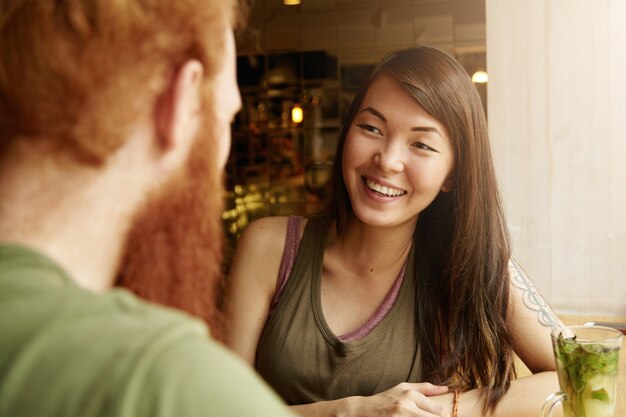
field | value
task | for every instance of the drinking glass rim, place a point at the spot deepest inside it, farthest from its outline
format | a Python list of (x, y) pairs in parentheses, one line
[(618, 334)]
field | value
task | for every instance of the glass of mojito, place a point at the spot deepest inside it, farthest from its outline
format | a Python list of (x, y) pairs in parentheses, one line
[(587, 366)]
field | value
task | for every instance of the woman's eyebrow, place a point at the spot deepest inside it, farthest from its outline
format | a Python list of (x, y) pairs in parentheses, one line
[(428, 129), (375, 113)]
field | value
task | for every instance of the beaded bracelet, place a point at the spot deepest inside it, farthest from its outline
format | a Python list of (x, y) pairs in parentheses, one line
[(455, 407)]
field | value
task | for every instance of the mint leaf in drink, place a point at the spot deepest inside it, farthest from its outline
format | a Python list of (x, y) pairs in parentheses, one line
[(600, 394)]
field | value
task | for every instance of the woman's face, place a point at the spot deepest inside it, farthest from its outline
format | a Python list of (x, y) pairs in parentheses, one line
[(396, 157)]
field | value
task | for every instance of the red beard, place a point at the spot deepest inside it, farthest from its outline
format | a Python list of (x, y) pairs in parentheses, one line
[(174, 249)]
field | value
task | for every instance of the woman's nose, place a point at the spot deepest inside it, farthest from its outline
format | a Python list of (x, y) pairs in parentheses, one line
[(389, 158)]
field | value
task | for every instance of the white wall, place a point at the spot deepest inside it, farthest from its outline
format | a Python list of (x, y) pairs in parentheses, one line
[(557, 119)]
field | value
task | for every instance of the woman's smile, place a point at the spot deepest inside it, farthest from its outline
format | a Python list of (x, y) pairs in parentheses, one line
[(382, 189)]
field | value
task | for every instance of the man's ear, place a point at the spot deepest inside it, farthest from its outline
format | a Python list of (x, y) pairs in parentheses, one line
[(178, 109)]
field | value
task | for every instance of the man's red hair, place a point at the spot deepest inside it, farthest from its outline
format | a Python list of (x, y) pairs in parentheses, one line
[(79, 73)]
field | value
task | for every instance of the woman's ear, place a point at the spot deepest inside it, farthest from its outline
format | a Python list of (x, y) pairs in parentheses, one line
[(448, 185), (178, 109)]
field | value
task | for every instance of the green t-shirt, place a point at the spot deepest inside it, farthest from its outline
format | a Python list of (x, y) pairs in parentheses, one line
[(65, 352)]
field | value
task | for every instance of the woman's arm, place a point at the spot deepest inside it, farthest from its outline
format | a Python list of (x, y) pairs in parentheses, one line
[(531, 320), (524, 398), (403, 400), (251, 284)]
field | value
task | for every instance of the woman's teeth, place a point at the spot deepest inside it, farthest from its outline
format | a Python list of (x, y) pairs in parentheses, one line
[(383, 189)]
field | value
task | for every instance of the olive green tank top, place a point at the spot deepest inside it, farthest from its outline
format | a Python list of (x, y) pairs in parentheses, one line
[(304, 361)]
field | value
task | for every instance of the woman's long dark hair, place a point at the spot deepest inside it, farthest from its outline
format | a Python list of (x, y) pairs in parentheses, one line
[(461, 239)]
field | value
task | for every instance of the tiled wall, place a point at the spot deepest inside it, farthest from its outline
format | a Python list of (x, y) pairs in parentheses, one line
[(365, 30)]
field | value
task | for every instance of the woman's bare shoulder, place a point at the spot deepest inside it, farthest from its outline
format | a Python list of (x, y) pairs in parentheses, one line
[(262, 244), (267, 230)]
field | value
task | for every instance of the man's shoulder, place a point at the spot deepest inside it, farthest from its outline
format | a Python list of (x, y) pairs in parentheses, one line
[(207, 376), (68, 347), (174, 365), (41, 305)]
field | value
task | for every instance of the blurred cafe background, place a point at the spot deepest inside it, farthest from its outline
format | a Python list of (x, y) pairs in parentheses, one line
[(551, 77)]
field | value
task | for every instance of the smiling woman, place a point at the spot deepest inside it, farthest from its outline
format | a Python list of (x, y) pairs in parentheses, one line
[(408, 280)]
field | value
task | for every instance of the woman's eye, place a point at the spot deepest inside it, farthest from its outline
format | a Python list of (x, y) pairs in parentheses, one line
[(423, 146), (369, 128)]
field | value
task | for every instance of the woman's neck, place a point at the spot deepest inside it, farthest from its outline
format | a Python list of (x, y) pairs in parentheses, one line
[(370, 250)]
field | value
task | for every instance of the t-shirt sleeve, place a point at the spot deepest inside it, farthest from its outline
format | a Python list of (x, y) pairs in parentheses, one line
[(198, 377)]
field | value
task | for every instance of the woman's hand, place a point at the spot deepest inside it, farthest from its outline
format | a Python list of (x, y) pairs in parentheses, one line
[(403, 400)]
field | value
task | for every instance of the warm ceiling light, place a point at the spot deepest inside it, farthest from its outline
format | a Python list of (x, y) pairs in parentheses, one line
[(296, 113), (291, 2), (480, 77)]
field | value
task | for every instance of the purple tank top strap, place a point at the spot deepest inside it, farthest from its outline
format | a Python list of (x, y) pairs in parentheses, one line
[(292, 241)]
